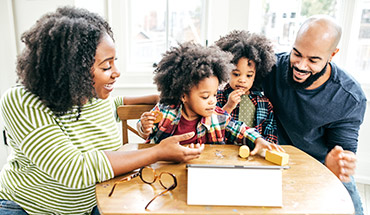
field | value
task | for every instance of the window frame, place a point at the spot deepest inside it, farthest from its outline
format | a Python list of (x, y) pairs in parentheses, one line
[(349, 15), (350, 22)]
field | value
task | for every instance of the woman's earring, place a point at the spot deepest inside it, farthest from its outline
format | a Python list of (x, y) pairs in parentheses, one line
[(183, 99)]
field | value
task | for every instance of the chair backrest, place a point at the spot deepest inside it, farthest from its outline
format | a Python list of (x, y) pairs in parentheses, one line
[(127, 112)]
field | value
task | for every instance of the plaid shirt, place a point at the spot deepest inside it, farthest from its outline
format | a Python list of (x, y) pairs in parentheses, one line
[(264, 119), (212, 130)]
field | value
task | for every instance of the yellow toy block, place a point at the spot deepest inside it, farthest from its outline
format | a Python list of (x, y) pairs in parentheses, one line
[(244, 151), (279, 158)]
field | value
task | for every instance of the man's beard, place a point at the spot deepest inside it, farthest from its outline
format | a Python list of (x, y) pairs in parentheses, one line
[(308, 82)]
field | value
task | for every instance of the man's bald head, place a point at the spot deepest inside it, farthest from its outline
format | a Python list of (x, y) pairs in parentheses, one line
[(321, 27)]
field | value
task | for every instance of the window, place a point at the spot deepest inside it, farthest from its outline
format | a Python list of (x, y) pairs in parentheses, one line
[(145, 29), (160, 25), (359, 62), (283, 18)]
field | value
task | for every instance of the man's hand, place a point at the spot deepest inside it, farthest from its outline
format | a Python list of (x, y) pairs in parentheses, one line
[(341, 162)]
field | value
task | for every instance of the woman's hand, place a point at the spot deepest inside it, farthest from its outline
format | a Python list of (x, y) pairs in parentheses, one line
[(170, 149)]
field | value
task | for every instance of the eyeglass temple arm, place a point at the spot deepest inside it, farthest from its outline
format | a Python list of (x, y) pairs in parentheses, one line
[(161, 193), (128, 178), (173, 186)]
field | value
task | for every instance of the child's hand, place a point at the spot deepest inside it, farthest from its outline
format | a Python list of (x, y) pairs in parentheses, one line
[(147, 122), (261, 145), (234, 100)]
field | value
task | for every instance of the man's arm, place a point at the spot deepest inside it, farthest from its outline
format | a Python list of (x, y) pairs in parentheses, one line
[(342, 139)]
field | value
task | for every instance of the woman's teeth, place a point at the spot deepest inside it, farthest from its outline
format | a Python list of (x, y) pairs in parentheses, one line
[(108, 86)]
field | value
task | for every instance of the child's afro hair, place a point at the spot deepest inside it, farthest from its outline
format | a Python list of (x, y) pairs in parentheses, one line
[(253, 46), (185, 66)]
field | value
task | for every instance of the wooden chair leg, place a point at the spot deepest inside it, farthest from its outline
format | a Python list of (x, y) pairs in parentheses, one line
[(124, 132)]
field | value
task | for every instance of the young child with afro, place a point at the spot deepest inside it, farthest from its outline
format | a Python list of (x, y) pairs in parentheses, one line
[(242, 97), (188, 78)]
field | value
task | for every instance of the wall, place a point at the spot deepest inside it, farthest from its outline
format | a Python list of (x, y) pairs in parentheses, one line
[(7, 61), (16, 16), (363, 152)]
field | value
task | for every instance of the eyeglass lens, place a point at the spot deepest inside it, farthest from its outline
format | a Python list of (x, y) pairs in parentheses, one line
[(149, 176)]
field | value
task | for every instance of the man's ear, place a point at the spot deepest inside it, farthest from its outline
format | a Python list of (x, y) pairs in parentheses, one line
[(334, 53)]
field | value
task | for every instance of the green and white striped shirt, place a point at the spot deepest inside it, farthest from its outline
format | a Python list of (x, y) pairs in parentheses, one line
[(56, 161)]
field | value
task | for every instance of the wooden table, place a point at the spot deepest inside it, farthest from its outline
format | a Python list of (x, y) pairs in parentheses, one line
[(308, 187)]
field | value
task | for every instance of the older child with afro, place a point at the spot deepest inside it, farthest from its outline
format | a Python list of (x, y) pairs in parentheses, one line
[(187, 78), (242, 97)]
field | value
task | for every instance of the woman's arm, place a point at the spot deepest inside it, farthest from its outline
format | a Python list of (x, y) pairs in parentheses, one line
[(168, 149)]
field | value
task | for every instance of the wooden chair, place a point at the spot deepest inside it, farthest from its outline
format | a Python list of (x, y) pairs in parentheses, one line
[(127, 112)]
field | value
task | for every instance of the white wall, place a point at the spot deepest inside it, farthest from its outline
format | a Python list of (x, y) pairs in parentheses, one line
[(363, 152), (7, 61), (18, 15)]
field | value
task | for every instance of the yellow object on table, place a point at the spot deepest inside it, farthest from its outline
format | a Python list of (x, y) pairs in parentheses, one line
[(279, 158), (244, 151)]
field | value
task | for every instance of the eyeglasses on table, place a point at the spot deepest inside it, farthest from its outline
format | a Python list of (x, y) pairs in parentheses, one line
[(148, 175)]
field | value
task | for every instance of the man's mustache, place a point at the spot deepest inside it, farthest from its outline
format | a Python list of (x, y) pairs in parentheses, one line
[(301, 71)]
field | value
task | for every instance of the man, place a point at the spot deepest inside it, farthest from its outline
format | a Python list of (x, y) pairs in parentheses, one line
[(319, 107)]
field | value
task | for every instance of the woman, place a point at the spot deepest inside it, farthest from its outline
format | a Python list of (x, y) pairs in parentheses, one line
[(61, 122)]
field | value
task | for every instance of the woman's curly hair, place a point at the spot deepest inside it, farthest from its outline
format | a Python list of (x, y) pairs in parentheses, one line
[(56, 64), (253, 46), (185, 66)]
